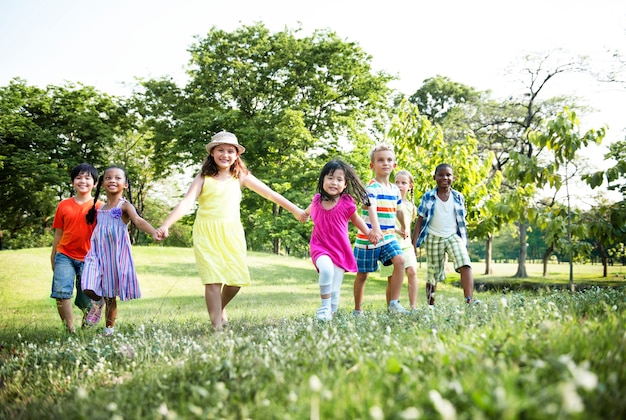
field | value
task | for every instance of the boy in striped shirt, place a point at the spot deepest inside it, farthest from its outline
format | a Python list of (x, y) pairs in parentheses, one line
[(381, 245)]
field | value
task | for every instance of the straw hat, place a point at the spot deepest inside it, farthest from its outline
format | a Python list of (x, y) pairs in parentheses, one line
[(224, 137)]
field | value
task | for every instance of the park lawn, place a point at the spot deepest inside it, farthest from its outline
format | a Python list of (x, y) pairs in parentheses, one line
[(517, 354)]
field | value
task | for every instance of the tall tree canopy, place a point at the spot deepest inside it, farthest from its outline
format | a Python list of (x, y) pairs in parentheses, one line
[(293, 101), (44, 133)]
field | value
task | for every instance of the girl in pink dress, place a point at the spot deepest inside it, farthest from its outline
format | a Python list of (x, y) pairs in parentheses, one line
[(338, 188), (109, 270)]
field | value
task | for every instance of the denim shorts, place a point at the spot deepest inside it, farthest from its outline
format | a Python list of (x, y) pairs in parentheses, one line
[(67, 273), (367, 259)]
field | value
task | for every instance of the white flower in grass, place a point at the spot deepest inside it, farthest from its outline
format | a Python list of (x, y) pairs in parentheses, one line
[(315, 384), (81, 393), (444, 407), (572, 403), (293, 397), (504, 302), (112, 406), (410, 413), (377, 413), (163, 409)]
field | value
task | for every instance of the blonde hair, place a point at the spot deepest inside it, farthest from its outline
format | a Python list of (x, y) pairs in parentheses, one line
[(410, 194), (380, 147)]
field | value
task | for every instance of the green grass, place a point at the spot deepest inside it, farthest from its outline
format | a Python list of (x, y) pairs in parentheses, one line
[(543, 354)]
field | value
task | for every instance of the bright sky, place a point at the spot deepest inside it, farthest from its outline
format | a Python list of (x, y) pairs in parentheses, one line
[(107, 44)]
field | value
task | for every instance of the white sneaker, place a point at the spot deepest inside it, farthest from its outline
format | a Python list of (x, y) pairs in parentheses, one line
[(323, 314), (395, 307)]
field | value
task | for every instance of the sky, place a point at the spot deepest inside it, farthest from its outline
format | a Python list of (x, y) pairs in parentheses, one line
[(107, 44)]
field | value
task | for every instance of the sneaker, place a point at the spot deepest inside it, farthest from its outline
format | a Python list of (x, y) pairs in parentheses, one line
[(109, 331), (357, 312), (395, 307), (95, 313), (323, 314)]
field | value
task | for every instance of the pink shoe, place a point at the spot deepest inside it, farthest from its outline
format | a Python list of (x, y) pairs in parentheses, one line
[(95, 313)]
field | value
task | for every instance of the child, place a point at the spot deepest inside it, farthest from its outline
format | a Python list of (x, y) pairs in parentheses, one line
[(380, 217), (332, 207), (109, 268), (441, 223), (71, 243), (406, 214), (218, 237)]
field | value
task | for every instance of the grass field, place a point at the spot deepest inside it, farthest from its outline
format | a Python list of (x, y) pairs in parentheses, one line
[(519, 354)]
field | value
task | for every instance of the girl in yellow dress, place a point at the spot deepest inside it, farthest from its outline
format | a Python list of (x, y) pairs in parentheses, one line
[(218, 237)]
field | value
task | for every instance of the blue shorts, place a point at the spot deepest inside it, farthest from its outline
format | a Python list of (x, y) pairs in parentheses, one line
[(67, 273), (367, 259)]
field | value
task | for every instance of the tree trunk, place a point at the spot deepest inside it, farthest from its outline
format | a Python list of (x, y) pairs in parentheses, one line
[(521, 259), (546, 257), (276, 245), (605, 260), (488, 254)]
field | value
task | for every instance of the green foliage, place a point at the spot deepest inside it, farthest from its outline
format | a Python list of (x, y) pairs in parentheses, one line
[(293, 101), (414, 135), (44, 133)]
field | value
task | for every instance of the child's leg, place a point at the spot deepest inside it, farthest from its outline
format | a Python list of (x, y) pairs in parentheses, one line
[(359, 290), (213, 299), (337, 281), (111, 311), (462, 264), (430, 293), (435, 256), (394, 285), (64, 307), (228, 293), (411, 274), (325, 268), (467, 281)]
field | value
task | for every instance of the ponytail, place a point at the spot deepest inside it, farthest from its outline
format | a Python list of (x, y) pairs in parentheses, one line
[(91, 214)]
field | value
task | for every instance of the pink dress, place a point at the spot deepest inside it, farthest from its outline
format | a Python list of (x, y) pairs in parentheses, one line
[(109, 269), (330, 232)]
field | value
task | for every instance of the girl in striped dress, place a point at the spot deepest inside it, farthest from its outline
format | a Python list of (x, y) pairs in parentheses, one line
[(109, 270)]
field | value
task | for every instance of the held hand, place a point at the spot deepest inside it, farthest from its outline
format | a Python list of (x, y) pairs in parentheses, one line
[(301, 216), (162, 232), (372, 237)]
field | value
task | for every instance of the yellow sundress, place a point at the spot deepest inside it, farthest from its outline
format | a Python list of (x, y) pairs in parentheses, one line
[(219, 240)]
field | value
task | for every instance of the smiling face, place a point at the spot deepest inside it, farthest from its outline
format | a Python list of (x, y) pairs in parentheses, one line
[(224, 155), (335, 183), (444, 178), (114, 181), (83, 183)]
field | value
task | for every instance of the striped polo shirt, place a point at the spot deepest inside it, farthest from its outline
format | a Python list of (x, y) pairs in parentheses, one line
[(385, 199)]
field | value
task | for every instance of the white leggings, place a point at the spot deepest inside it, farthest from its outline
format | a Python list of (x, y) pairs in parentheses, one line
[(330, 279)]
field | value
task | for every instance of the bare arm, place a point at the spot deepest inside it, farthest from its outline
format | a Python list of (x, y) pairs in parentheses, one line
[(266, 192), (359, 223), (139, 221), (58, 233), (305, 216), (373, 216), (184, 206), (417, 230)]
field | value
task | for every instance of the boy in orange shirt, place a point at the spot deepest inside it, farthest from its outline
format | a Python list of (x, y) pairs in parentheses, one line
[(71, 242)]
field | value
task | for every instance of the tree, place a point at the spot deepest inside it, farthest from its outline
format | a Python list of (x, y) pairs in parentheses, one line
[(44, 133), (415, 136), (563, 138), (524, 165), (293, 101)]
